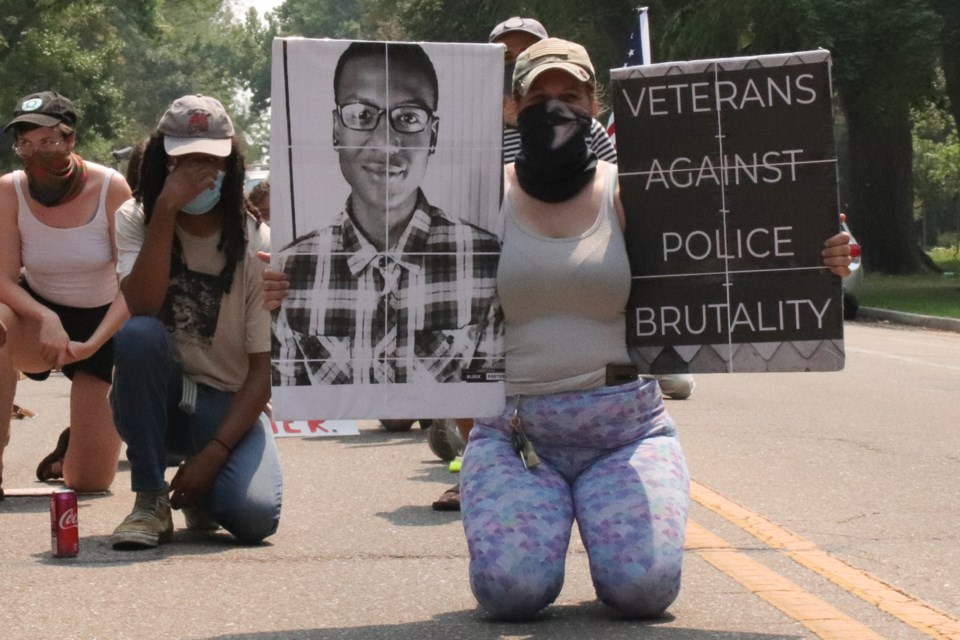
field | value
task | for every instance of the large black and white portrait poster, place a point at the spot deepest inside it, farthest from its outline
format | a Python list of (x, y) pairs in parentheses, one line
[(728, 176), (385, 185)]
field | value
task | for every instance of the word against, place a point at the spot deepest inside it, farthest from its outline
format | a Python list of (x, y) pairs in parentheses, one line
[(720, 318), (771, 167), (314, 428)]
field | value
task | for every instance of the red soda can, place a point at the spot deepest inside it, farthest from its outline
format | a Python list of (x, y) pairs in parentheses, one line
[(64, 530)]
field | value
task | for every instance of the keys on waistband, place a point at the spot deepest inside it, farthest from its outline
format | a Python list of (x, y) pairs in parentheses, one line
[(522, 444)]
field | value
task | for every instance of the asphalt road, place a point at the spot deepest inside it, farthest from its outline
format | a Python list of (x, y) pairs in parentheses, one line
[(826, 505)]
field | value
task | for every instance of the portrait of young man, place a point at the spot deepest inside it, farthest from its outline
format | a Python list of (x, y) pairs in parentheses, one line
[(394, 293)]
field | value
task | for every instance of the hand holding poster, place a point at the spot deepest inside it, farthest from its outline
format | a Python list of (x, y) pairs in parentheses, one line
[(386, 181), (728, 177)]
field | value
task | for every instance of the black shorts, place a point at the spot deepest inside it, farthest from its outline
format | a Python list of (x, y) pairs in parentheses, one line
[(79, 324)]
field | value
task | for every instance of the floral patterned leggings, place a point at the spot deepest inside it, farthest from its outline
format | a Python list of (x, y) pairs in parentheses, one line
[(609, 459)]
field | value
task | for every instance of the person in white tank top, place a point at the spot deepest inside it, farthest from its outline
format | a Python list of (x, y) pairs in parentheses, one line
[(60, 302), (571, 446)]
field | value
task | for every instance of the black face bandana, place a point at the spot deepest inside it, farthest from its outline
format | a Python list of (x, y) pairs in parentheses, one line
[(554, 162), (508, 79)]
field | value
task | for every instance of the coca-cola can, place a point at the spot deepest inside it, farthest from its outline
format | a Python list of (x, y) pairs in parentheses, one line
[(64, 530)]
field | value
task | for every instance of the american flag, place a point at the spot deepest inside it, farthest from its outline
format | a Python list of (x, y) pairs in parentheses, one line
[(638, 52)]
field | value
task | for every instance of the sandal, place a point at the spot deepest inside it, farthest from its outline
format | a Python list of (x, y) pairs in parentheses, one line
[(45, 468), (20, 413), (449, 500)]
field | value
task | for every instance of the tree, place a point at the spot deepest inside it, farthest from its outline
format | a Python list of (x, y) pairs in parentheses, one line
[(603, 29), (949, 11), (884, 54), (324, 18), (122, 62), (199, 46), (71, 46)]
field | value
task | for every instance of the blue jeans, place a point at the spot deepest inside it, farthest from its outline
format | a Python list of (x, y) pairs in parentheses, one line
[(146, 394)]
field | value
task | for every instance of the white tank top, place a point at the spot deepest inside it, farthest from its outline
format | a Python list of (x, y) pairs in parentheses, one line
[(564, 302), (72, 266)]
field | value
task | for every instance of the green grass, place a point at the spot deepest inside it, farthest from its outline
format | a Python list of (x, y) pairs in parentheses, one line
[(932, 295), (947, 258)]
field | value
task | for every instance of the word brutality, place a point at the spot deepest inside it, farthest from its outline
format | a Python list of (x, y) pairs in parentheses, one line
[(719, 318)]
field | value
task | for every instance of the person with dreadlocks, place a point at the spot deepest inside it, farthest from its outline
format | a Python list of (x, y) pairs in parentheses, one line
[(192, 366), (60, 301)]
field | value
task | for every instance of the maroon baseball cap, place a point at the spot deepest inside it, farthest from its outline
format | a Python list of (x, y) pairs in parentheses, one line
[(196, 124)]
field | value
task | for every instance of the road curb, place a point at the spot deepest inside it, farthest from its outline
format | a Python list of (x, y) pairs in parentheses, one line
[(912, 319)]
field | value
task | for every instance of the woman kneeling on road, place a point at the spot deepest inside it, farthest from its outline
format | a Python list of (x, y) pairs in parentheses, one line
[(605, 456), (60, 301)]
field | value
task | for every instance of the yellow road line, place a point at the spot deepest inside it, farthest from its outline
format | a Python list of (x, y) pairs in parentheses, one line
[(821, 618), (901, 605)]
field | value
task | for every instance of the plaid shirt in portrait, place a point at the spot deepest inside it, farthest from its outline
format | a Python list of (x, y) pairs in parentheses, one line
[(425, 310)]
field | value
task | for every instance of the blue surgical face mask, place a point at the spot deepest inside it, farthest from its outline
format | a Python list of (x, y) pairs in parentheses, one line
[(206, 200)]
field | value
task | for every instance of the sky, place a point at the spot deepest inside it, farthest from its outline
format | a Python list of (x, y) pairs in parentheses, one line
[(262, 6)]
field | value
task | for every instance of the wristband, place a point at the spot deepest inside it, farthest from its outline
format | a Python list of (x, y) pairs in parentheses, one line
[(222, 444)]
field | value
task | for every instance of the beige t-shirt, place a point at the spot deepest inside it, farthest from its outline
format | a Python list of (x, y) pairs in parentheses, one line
[(212, 330)]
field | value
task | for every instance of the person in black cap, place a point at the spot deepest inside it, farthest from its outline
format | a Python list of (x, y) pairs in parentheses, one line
[(56, 229), (517, 35)]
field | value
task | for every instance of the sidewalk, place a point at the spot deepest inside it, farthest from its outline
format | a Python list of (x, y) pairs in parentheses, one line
[(911, 319)]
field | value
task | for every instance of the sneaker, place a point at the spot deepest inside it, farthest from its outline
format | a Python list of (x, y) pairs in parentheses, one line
[(444, 439), (396, 426), (199, 520), (149, 524)]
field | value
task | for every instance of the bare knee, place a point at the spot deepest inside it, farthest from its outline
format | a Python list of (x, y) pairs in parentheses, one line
[(89, 481)]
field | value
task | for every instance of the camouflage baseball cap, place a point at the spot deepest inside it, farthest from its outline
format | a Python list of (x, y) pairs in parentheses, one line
[(552, 53)]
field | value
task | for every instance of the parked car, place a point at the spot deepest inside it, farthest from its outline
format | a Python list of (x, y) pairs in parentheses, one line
[(852, 282), (254, 176)]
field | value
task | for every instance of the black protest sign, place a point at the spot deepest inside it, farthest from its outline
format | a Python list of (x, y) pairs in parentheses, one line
[(728, 177)]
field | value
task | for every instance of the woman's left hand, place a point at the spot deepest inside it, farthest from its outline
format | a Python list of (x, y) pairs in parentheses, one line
[(276, 285), (77, 351), (836, 254)]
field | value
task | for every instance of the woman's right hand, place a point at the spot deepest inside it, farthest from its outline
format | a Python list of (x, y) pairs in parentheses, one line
[(276, 285), (190, 176), (53, 340)]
